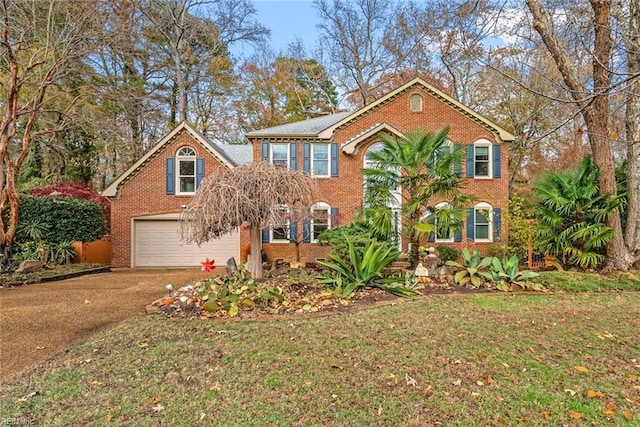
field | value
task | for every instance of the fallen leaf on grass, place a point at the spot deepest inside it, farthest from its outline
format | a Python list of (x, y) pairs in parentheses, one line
[(379, 410), (546, 415), (611, 405), (575, 415), (410, 381), (457, 382), (628, 415), (581, 369), (609, 413), (27, 397), (593, 393), (157, 408), (490, 380), (571, 392), (143, 344), (337, 367), (158, 399), (630, 376)]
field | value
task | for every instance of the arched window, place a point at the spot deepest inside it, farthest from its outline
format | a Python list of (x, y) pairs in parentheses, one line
[(186, 176), (483, 222), (320, 219), (415, 103)]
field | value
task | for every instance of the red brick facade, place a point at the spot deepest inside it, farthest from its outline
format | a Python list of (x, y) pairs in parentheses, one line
[(345, 191), (143, 191)]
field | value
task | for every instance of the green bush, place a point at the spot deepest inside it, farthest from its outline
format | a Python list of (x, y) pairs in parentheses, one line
[(60, 219), (357, 232), (447, 253)]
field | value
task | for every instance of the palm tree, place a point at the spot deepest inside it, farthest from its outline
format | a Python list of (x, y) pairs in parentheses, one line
[(572, 213), (425, 166)]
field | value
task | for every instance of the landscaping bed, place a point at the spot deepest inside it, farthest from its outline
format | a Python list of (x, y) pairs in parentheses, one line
[(51, 273)]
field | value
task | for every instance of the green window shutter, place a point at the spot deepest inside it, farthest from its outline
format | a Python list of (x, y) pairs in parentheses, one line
[(170, 175)]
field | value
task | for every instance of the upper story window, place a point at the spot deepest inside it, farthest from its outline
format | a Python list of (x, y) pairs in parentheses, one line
[(320, 219), (186, 176), (483, 222), (320, 160), (280, 155), (415, 103), (482, 159)]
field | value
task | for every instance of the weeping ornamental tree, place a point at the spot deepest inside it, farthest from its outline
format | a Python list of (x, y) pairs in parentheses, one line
[(251, 195), (572, 215)]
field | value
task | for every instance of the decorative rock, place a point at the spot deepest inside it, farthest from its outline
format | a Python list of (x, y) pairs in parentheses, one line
[(421, 273), (29, 266)]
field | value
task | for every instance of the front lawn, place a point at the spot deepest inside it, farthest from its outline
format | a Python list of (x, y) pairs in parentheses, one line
[(490, 359)]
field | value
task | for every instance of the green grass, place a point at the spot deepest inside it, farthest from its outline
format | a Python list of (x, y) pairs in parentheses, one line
[(457, 360), (573, 281)]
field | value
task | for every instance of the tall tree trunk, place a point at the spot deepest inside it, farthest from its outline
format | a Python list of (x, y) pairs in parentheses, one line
[(594, 103), (632, 235)]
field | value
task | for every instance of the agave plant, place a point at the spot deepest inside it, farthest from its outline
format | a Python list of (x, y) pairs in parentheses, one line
[(472, 270), (359, 270), (506, 272)]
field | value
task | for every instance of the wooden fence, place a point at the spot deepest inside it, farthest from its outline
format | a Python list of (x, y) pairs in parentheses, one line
[(96, 252)]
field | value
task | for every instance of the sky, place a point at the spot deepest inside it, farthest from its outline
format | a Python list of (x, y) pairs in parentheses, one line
[(288, 19)]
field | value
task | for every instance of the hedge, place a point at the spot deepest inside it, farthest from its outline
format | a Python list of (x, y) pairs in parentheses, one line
[(61, 219)]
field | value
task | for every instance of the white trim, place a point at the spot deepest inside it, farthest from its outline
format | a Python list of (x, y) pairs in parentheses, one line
[(185, 158), (483, 206), (312, 169), (501, 133), (286, 144), (318, 206), (483, 143), (352, 145)]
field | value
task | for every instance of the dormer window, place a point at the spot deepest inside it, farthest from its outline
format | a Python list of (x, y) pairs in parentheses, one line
[(415, 103), (186, 176)]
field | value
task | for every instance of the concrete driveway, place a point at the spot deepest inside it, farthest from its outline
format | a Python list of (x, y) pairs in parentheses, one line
[(40, 320)]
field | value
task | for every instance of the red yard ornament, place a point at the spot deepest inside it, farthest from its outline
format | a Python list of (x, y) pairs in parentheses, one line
[(208, 265)]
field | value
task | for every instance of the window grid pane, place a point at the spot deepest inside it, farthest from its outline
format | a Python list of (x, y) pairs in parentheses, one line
[(320, 160), (482, 161)]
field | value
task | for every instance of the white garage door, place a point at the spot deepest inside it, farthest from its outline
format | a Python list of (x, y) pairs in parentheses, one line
[(157, 243)]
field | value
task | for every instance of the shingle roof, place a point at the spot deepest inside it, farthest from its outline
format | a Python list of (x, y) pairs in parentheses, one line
[(309, 127), (240, 154)]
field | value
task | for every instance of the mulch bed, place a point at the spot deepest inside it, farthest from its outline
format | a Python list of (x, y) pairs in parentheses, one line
[(306, 297)]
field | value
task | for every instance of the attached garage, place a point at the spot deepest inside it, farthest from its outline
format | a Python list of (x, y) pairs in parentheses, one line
[(156, 243)]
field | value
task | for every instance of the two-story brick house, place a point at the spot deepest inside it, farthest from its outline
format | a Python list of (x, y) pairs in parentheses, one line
[(334, 148)]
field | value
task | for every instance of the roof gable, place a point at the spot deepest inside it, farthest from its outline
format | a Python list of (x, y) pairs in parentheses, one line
[(351, 146), (503, 134), (212, 148)]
